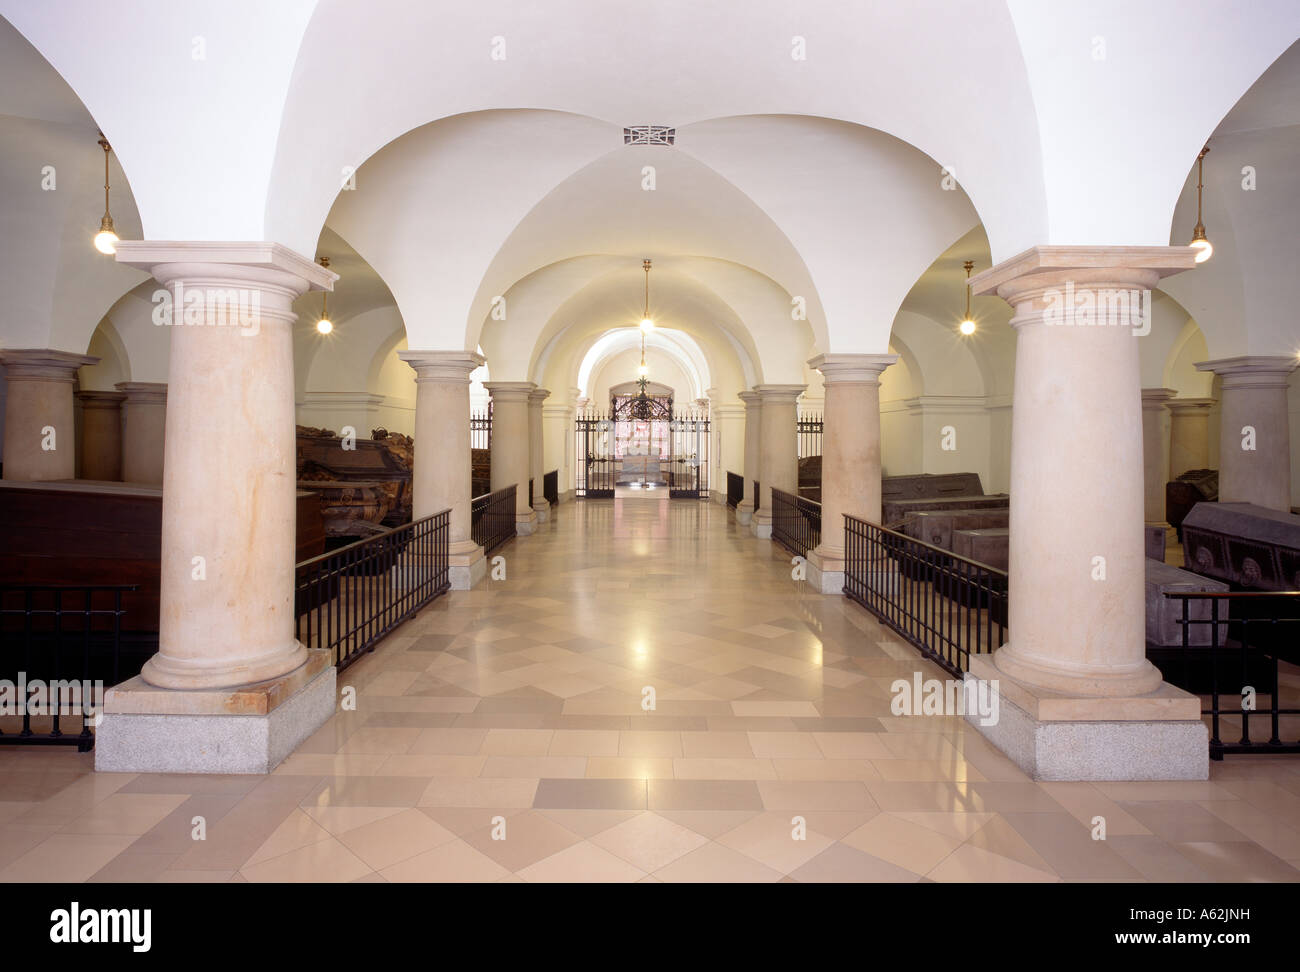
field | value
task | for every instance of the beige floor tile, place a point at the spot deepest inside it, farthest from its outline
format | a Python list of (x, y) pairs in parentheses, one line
[(658, 744), (452, 862), (584, 742), (517, 742), (584, 862), (714, 863), (973, 864), (65, 857), (630, 768), (901, 843), (392, 839), (522, 840), (649, 841), (784, 745), (782, 841), (298, 830), (127, 814)]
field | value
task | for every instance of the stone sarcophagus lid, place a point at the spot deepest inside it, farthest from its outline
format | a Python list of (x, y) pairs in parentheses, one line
[(1164, 614), (1247, 546), (1192, 487), (364, 485), (936, 527), (904, 496)]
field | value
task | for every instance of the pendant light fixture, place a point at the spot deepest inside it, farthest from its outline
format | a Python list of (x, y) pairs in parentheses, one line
[(106, 238), (1204, 250), (324, 325), (647, 325), (967, 325)]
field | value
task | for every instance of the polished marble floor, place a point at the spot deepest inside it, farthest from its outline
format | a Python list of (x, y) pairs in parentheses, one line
[(501, 736)]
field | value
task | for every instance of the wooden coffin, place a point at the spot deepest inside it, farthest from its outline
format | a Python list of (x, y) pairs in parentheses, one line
[(363, 488)]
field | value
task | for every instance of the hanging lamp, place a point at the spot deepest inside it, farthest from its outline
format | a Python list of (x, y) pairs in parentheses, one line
[(967, 325), (1204, 249), (106, 239), (324, 325)]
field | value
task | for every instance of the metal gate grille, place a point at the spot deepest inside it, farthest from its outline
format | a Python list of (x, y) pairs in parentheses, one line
[(594, 454), (688, 461)]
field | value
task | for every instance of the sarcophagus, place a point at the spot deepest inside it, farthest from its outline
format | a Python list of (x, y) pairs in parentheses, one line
[(930, 486), (1192, 487), (364, 485), (936, 527), (1244, 545)]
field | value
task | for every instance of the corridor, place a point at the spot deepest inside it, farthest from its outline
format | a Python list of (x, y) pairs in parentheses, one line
[(500, 735)]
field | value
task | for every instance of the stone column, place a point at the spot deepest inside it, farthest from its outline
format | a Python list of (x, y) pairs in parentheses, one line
[(850, 456), (1078, 698), (557, 424), (442, 476), (1189, 435), (510, 446), (779, 463), (1155, 453), (101, 435), (753, 453), (250, 691), (537, 452), (40, 438), (144, 420), (1254, 430), (727, 451)]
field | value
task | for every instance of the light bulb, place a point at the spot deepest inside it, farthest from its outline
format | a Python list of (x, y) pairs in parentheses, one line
[(106, 242), (647, 325), (1204, 249), (967, 326), (324, 325), (642, 371)]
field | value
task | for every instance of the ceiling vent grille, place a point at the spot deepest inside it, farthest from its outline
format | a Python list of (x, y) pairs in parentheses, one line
[(649, 135)]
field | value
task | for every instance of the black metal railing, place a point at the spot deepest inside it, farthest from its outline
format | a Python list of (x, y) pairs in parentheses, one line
[(796, 522), (480, 429), (808, 436), (350, 598), (492, 518), (735, 490), (1252, 634), (60, 646), (551, 487), (758, 495), (947, 606)]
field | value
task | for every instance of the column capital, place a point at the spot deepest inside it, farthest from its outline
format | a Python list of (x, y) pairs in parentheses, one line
[(168, 260), (851, 367), (1157, 398), (538, 395), (749, 397), (144, 392), (510, 391), (452, 366), (1190, 404), (1252, 370), (779, 394), (43, 364), (91, 398), (1052, 264)]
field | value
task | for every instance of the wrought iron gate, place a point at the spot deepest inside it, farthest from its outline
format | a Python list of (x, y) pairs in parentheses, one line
[(688, 460), (684, 460), (594, 454)]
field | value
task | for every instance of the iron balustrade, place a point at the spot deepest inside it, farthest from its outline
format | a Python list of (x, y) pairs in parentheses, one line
[(530, 494), (1254, 643), (551, 487), (492, 518), (948, 607), (347, 600), (808, 436), (68, 642), (480, 429), (796, 522), (758, 495), (735, 489)]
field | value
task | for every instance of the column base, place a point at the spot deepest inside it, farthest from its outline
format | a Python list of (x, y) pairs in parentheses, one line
[(248, 729), (466, 565), (760, 525), (744, 513), (525, 523), (1053, 736), (543, 510), (825, 573)]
